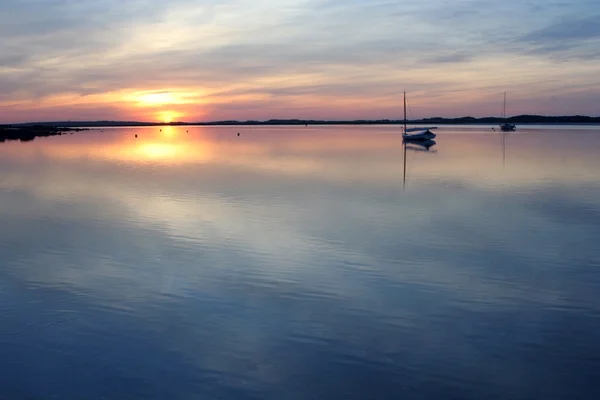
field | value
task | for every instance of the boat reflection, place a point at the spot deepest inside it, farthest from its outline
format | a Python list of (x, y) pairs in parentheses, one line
[(503, 148), (423, 146)]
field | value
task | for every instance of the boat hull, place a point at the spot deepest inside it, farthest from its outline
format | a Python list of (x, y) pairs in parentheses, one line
[(421, 136), (508, 127)]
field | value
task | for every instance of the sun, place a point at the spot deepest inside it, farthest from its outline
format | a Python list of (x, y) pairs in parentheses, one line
[(168, 116)]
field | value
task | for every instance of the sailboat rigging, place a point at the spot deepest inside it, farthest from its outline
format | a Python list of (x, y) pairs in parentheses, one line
[(506, 127), (416, 134)]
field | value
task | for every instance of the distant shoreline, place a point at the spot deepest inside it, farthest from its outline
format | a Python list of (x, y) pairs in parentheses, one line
[(521, 119), (27, 133)]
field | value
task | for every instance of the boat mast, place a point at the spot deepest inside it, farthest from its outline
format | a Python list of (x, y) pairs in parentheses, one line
[(404, 112), (504, 107)]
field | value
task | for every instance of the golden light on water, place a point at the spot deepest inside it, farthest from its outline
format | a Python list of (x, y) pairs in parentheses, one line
[(158, 151), (169, 132), (315, 152), (168, 145)]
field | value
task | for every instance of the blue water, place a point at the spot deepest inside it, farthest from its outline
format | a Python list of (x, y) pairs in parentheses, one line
[(300, 263)]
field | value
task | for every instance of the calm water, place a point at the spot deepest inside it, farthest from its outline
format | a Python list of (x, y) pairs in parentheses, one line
[(300, 263)]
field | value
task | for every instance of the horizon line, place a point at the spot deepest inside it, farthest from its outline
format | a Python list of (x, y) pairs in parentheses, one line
[(304, 120)]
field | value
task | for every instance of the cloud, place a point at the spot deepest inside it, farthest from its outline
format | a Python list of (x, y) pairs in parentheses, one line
[(449, 58), (566, 38), (567, 30)]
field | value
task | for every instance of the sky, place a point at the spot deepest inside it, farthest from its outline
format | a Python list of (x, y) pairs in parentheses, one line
[(207, 60)]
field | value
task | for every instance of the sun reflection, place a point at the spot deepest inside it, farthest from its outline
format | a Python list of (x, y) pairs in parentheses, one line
[(169, 132), (315, 154), (167, 145), (154, 151)]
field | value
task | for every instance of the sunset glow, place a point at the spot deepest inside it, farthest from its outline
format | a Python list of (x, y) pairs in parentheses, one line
[(195, 61), (168, 116), (156, 99), (175, 146)]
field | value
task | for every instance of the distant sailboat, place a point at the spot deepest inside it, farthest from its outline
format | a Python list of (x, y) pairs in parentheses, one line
[(506, 127), (416, 134)]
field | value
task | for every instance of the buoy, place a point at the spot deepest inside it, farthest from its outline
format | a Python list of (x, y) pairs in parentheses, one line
[(238, 134), (136, 135)]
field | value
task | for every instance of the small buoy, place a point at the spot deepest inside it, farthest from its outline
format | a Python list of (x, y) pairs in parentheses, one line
[(161, 130), (238, 134), (136, 135)]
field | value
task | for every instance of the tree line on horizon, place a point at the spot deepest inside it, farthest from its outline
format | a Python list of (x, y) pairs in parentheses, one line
[(520, 119)]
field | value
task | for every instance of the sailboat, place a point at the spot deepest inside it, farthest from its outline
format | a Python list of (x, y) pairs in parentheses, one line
[(416, 134), (506, 127)]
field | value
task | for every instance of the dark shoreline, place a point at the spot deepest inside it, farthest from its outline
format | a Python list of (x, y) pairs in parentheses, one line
[(27, 133), (521, 119)]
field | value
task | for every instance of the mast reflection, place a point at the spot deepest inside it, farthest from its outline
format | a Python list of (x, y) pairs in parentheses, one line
[(417, 146)]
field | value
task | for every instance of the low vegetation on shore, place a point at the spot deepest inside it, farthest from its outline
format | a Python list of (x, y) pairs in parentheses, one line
[(30, 132)]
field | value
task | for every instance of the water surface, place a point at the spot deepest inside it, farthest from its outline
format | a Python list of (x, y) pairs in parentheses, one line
[(300, 263)]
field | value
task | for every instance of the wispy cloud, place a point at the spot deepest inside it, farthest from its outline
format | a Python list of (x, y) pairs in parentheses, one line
[(567, 38)]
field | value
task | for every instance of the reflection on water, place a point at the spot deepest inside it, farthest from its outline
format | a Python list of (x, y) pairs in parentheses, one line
[(504, 148), (416, 145), (288, 262)]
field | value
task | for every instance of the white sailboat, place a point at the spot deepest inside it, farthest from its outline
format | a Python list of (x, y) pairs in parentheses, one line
[(416, 134), (506, 127)]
